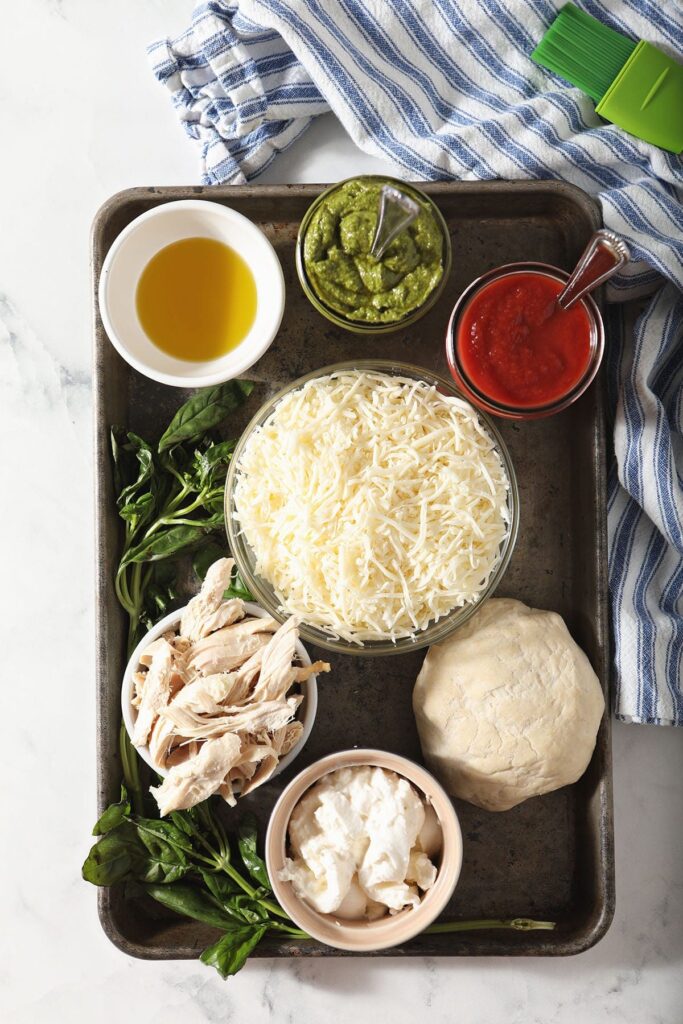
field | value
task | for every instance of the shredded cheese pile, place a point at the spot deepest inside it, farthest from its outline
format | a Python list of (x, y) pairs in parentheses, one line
[(374, 505)]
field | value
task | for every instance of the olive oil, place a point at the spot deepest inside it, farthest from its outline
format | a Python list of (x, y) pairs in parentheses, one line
[(196, 299)]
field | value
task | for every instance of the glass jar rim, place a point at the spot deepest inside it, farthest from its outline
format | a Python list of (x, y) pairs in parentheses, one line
[(508, 411)]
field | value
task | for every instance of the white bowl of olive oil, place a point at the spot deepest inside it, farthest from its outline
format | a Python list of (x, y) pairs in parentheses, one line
[(191, 293)]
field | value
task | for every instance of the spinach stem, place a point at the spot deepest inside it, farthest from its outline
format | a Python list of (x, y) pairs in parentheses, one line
[(183, 522), (121, 588), (131, 774), (182, 493), (197, 856), (272, 908), (166, 519), (137, 604), (296, 933), (521, 924)]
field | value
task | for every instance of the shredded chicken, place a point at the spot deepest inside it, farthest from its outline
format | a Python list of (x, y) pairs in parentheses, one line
[(203, 608), (156, 692), (213, 701), (270, 715), (228, 647), (194, 780)]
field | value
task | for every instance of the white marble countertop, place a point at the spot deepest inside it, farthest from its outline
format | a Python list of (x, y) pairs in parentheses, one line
[(81, 118)]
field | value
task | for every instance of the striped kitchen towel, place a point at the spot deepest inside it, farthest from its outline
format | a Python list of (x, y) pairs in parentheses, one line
[(445, 89)]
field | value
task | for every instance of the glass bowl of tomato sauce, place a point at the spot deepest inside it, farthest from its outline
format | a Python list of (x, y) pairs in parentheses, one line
[(514, 351)]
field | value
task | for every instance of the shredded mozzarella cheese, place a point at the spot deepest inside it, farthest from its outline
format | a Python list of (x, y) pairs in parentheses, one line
[(374, 504)]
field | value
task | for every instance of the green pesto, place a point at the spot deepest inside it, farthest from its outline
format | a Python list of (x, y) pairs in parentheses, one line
[(350, 281)]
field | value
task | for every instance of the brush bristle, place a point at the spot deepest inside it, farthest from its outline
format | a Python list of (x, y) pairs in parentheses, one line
[(581, 49)]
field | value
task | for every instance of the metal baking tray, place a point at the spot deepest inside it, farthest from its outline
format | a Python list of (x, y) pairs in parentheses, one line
[(549, 858)]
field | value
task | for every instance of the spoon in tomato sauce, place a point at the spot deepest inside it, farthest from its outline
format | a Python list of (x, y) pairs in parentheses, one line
[(604, 255)]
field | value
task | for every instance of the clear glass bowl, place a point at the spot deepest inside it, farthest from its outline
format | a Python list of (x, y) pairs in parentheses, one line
[(359, 326), (264, 593), (480, 399)]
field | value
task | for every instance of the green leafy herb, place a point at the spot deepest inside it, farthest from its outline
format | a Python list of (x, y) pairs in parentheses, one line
[(113, 816), (230, 953), (164, 545), (205, 556), (171, 502), (517, 924), (204, 411), (115, 858), (238, 588), (247, 847), (221, 886), (190, 901), (167, 850)]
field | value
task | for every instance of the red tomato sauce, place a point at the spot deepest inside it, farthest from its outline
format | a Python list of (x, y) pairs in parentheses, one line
[(518, 347)]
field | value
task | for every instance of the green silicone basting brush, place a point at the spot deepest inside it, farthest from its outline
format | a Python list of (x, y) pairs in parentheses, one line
[(635, 85)]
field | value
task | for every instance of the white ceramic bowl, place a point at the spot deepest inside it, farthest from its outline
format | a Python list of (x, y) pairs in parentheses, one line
[(305, 714), (392, 930), (140, 241)]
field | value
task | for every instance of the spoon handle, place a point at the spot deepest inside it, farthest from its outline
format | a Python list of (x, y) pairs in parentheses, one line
[(396, 212), (604, 255)]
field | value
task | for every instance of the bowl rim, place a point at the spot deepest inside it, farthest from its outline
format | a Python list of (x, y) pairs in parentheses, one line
[(480, 399), (437, 631), (309, 688), (360, 326), (391, 930), (276, 295)]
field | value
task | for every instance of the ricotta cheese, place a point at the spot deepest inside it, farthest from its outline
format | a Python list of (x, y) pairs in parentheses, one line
[(360, 842)]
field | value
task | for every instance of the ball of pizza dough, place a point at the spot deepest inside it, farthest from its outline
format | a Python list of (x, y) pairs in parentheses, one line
[(508, 707)]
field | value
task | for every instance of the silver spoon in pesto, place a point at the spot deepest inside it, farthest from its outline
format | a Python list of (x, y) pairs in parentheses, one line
[(396, 212)]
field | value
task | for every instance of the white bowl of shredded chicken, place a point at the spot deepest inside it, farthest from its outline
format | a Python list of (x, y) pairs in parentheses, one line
[(375, 503), (219, 696)]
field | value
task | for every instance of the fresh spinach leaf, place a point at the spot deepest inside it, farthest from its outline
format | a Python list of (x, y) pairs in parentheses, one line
[(205, 557), (160, 595), (221, 886), (247, 909), (247, 837), (137, 510), (204, 411), (238, 588), (211, 465), (162, 830), (168, 850), (183, 822), (113, 816), (230, 953), (165, 544), (116, 857), (133, 464), (191, 902), (216, 517), (126, 465)]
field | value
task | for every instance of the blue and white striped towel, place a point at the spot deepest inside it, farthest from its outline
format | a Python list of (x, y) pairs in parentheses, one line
[(445, 89)]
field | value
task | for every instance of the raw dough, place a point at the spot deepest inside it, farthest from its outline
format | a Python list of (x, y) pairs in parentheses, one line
[(508, 707)]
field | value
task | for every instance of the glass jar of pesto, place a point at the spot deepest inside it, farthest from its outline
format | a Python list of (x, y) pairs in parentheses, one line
[(348, 285)]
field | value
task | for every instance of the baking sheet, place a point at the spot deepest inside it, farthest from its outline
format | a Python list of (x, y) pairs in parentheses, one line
[(550, 858)]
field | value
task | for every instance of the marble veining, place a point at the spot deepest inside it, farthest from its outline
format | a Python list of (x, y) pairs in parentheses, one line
[(89, 121)]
